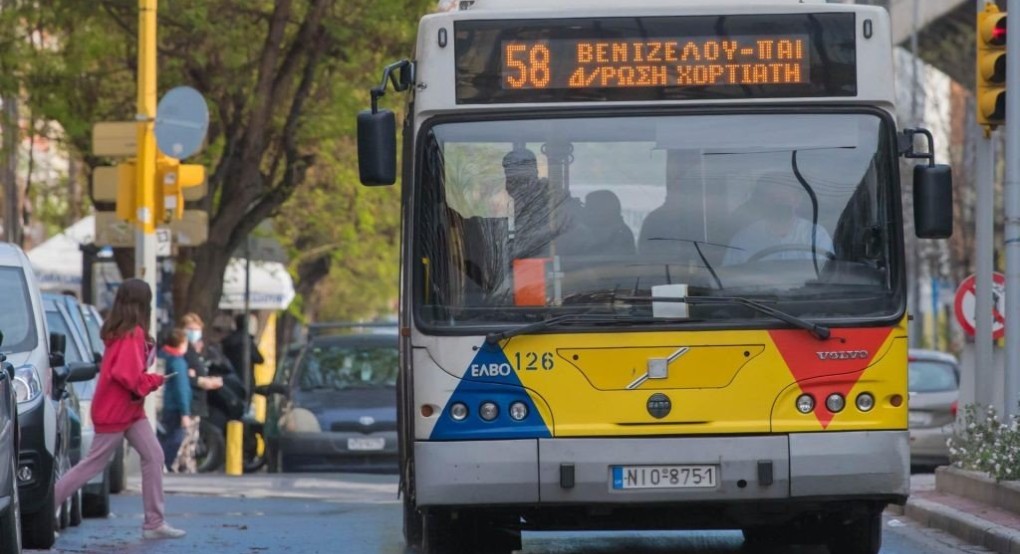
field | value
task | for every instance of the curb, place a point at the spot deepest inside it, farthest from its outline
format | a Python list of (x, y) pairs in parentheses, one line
[(964, 526)]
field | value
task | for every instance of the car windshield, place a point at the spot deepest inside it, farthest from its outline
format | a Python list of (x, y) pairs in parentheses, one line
[(93, 327), (931, 376), (57, 324), (345, 367), (526, 219), (16, 320)]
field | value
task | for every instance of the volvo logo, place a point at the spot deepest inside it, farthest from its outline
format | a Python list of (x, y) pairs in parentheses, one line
[(659, 405), (366, 420), (843, 355)]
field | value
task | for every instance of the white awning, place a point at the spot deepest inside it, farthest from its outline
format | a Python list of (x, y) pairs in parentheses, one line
[(58, 265)]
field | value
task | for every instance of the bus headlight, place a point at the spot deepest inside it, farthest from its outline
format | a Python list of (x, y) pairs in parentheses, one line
[(459, 411), (865, 402), (518, 411), (835, 403), (805, 404), (488, 411), (27, 385)]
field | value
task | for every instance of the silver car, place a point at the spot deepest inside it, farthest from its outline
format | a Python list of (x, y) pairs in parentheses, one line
[(934, 385)]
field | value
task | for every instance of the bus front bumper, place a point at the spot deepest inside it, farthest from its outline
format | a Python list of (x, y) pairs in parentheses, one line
[(825, 466)]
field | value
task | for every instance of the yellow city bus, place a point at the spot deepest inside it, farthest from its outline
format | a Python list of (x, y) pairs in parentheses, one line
[(652, 270)]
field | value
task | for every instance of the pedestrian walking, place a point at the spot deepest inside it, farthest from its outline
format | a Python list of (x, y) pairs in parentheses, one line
[(201, 383), (176, 416), (118, 410), (233, 349)]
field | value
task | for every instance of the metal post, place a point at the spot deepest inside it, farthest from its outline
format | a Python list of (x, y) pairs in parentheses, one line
[(1012, 231), (145, 235), (984, 238), (246, 341), (915, 327)]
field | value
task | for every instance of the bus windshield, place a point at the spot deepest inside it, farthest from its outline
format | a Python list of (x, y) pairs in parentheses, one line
[(520, 220)]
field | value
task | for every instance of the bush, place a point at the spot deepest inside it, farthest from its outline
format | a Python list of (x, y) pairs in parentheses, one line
[(985, 443)]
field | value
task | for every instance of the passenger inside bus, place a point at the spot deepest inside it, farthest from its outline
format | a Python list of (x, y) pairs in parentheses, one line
[(776, 231), (605, 230), (674, 227)]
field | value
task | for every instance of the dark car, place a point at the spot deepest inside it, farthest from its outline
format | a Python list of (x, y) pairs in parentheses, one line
[(340, 410), (64, 315), (10, 511)]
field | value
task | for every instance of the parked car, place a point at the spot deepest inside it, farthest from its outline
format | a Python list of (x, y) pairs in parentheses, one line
[(10, 510), (41, 376), (117, 477), (275, 402), (64, 315), (340, 407), (934, 385)]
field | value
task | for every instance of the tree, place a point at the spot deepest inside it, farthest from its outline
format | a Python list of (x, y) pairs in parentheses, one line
[(283, 79)]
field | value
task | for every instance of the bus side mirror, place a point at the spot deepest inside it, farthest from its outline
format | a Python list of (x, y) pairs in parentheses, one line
[(933, 201), (377, 147), (933, 188)]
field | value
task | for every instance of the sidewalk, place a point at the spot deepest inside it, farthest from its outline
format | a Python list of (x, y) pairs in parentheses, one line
[(969, 519)]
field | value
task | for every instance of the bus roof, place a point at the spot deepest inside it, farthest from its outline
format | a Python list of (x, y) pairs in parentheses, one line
[(539, 5)]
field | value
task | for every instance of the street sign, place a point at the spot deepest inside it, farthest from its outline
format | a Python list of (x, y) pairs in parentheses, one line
[(966, 302), (164, 242), (192, 229), (115, 138), (113, 231), (182, 120), (104, 184)]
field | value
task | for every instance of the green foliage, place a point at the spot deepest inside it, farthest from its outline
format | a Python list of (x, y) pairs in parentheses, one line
[(283, 79), (985, 443)]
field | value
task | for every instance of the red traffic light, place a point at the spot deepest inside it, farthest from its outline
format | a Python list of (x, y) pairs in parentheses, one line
[(999, 33)]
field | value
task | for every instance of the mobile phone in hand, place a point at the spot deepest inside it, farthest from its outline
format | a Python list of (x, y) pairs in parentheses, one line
[(169, 375)]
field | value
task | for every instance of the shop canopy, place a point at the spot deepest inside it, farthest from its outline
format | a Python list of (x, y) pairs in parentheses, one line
[(58, 268)]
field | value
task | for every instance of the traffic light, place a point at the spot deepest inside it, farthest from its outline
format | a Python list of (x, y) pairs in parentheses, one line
[(172, 177), (991, 67), (127, 207)]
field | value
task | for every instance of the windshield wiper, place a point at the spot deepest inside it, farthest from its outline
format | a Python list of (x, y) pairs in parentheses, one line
[(821, 332), (596, 319)]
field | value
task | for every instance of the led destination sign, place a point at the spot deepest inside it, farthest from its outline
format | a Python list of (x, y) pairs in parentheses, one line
[(586, 64), (656, 58)]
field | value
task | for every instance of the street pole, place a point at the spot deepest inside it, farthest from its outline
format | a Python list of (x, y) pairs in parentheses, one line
[(145, 233), (916, 325), (249, 377), (1012, 231), (984, 237)]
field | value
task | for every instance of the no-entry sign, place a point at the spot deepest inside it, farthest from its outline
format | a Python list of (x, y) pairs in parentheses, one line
[(966, 305)]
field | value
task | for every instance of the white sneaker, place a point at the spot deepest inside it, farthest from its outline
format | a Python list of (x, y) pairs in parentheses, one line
[(163, 532)]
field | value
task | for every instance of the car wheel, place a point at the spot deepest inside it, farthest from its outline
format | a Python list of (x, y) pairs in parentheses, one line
[(10, 522), (76, 509), (118, 479), (412, 524), (211, 449), (39, 530), (253, 442), (98, 505)]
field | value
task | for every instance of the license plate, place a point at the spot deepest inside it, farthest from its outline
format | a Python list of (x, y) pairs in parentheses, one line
[(665, 477), (366, 444)]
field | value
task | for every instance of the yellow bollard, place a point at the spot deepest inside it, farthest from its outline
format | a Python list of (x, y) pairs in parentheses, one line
[(235, 447)]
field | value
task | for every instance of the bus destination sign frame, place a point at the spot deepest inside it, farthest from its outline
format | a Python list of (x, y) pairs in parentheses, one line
[(656, 58)]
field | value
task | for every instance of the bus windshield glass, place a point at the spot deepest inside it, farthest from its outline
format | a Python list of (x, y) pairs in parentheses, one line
[(522, 220)]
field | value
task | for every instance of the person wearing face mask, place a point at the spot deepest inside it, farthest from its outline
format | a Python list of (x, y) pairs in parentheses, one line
[(201, 383), (777, 224)]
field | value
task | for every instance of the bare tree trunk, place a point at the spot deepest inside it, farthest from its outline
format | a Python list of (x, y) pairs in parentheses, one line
[(13, 231)]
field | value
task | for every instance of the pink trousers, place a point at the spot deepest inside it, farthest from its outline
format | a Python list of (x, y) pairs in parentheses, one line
[(141, 437)]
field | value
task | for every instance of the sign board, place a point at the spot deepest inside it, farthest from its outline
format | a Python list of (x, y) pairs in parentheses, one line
[(164, 242), (192, 229), (966, 305), (113, 231), (104, 184), (182, 120), (115, 138)]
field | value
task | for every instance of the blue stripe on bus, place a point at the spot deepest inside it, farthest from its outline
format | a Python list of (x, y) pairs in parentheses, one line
[(499, 386)]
